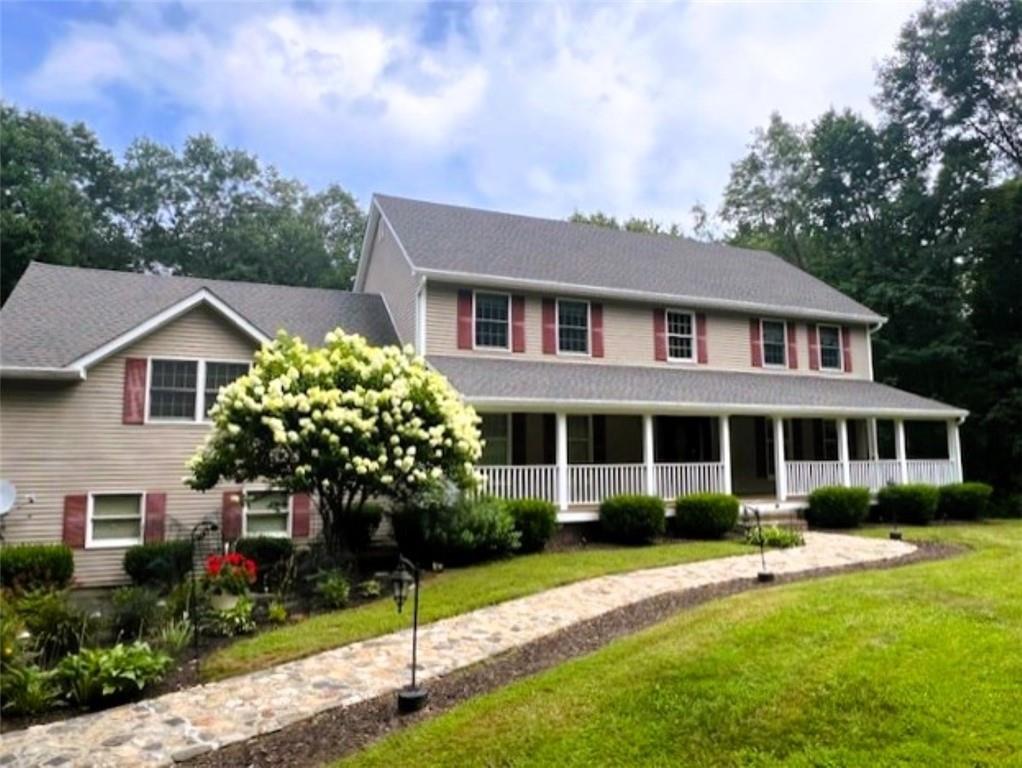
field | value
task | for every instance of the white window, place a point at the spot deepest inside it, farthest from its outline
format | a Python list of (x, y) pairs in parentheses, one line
[(267, 513), (492, 320), (775, 344), (680, 335), (830, 347), (580, 439), (115, 520), (185, 390), (573, 327), (496, 431)]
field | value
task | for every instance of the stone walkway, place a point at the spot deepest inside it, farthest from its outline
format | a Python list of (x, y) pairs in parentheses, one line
[(187, 723)]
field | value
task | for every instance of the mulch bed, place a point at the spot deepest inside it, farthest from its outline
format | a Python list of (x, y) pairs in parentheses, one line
[(339, 732)]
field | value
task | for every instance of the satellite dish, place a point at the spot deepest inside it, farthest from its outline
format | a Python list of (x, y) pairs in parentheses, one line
[(8, 494)]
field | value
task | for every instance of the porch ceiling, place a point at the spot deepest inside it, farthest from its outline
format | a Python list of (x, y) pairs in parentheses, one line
[(531, 385)]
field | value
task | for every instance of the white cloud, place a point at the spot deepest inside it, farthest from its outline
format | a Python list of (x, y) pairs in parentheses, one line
[(633, 109)]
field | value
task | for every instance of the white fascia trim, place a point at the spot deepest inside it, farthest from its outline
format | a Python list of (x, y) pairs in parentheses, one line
[(202, 296), (39, 374), (363, 262), (366, 251), (546, 286), (707, 409)]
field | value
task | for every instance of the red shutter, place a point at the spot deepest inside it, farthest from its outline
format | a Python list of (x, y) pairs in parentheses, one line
[(549, 327), (814, 347), (155, 516), (464, 319), (230, 515), (74, 520), (301, 505), (596, 314), (755, 343), (701, 354), (659, 334), (134, 390), (517, 323), (793, 345), (846, 347)]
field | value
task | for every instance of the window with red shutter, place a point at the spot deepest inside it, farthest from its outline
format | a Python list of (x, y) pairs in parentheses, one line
[(155, 516), (464, 319), (133, 411), (549, 327), (846, 345), (701, 351), (755, 344), (75, 507), (792, 345), (596, 317), (659, 334), (517, 323)]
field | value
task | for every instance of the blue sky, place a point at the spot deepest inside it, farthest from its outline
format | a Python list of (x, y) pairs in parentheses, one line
[(634, 109)]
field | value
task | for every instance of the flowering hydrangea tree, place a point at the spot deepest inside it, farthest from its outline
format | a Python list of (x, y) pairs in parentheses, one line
[(346, 422)]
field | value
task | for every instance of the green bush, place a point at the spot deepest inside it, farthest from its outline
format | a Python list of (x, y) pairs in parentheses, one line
[(276, 613), (775, 537), (28, 690), (56, 627), (174, 636), (369, 589), (1006, 505), (466, 530), (234, 621), (358, 527), (271, 555), (96, 677), (535, 520), (632, 518), (161, 565), (135, 610), (705, 515), (24, 567), (333, 588), (964, 501), (834, 506), (908, 504)]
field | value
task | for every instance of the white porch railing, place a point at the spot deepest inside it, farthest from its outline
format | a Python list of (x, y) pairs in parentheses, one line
[(804, 477), (592, 483), (674, 480), (874, 474), (520, 482), (933, 471)]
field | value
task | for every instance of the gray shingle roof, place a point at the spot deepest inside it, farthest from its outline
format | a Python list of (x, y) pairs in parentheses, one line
[(583, 385), (57, 314), (486, 243)]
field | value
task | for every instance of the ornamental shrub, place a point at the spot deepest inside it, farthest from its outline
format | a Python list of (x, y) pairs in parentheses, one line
[(632, 518), (535, 520), (705, 515), (333, 588), (908, 504), (96, 677), (1005, 505), (233, 621), (28, 690), (435, 528), (270, 554), (57, 628), (774, 536), (964, 501), (834, 506), (161, 565), (24, 567)]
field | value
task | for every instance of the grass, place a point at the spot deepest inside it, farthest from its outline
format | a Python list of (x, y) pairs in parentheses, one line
[(912, 666), (450, 593)]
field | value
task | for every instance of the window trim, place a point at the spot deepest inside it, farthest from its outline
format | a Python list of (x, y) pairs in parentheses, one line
[(589, 327), (488, 348), (93, 543), (667, 334), (199, 414), (288, 534), (840, 367), (762, 343)]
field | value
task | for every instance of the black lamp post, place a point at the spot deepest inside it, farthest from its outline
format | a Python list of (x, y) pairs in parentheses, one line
[(764, 575), (199, 532), (402, 579), (895, 534)]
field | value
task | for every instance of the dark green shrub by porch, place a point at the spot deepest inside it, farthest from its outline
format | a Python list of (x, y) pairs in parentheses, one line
[(535, 521), (467, 530), (964, 501), (914, 504), (632, 518), (161, 565), (270, 554), (24, 567), (705, 515), (834, 506)]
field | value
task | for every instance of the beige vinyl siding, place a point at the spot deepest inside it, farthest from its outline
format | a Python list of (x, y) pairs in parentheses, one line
[(66, 438), (628, 336), (389, 275)]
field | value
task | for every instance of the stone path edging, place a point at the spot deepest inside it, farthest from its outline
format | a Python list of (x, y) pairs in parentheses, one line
[(184, 724)]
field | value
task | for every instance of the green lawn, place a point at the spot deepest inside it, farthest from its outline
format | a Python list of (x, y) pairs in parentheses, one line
[(450, 593), (920, 665)]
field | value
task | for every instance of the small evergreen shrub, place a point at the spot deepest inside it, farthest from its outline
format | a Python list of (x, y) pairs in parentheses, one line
[(333, 588), (95, 677), (473, 530), (161, 565), (24, 567), (834, 506), (775, 537), (909, 504), (271, 555), (632, 518), (964, 501), (1005, 505), (535, 520), (705, 515)]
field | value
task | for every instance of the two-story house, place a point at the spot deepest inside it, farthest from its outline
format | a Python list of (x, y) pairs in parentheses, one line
[(601, 362)]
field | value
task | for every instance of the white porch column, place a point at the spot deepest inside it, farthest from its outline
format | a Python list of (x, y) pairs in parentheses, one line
[(647, 453), (954, 448), (725, 451), (780, 469), (871, 436), (562, 460), (899, 449), (842, 452)]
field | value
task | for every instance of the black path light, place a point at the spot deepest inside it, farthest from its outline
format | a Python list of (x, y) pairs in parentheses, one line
[(895, 534), (402, 579), (764, 575)]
